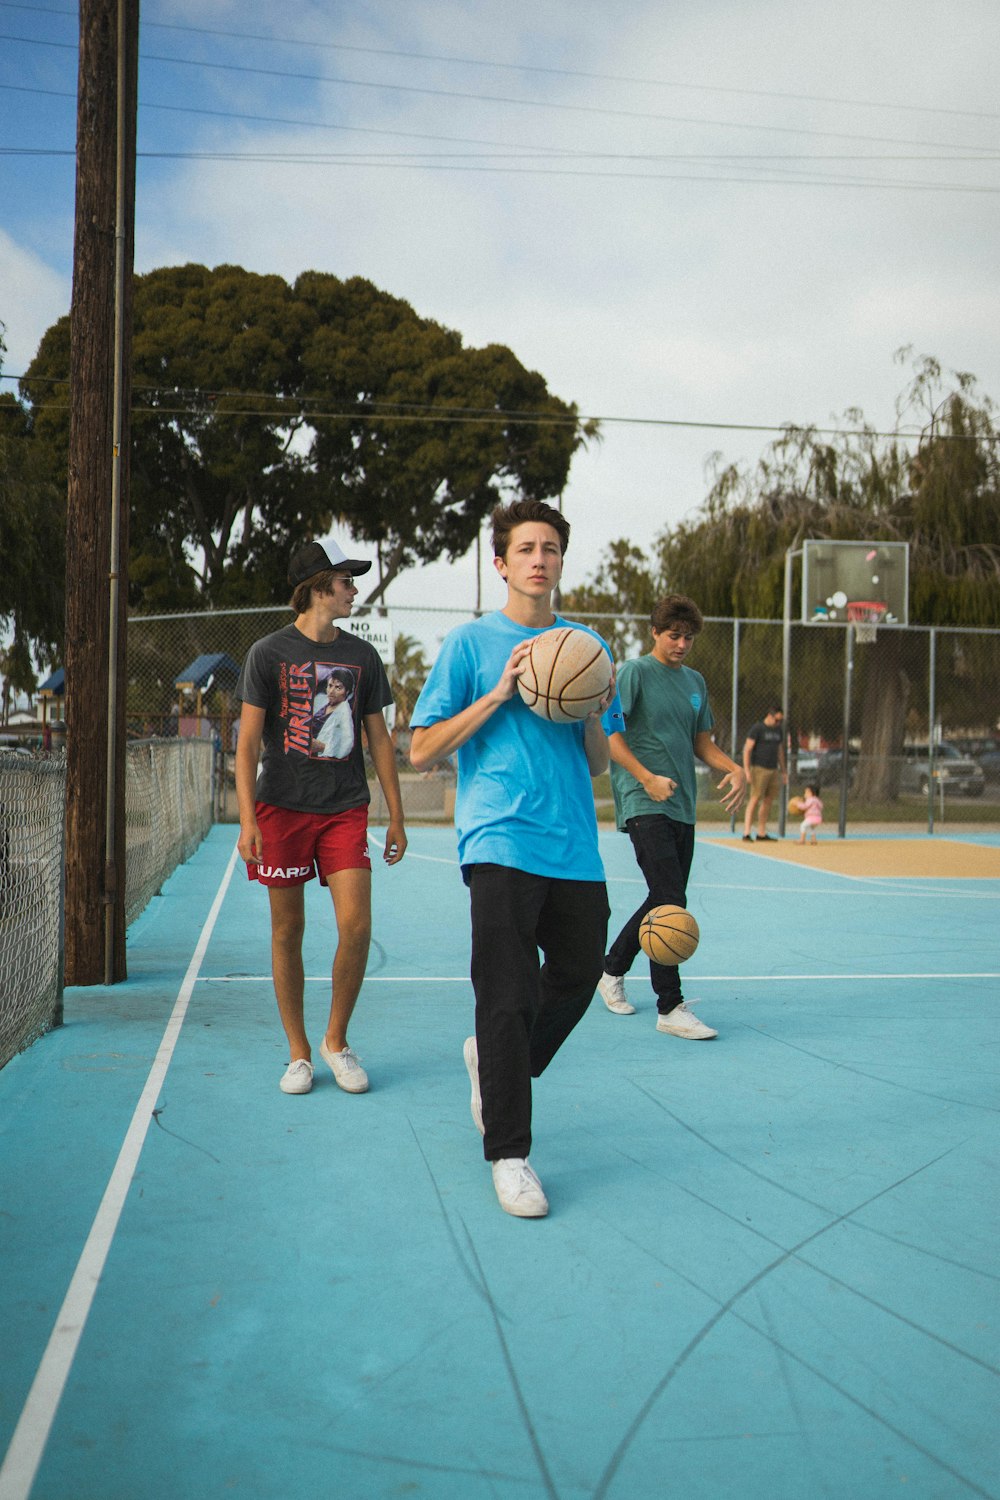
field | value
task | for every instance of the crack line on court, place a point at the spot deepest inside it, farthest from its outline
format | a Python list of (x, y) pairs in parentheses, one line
[(481, 1285), (872, 1077), (508, 1360), (182, 1138), (470, 1274), (782, 1188), (811, 1265), (720, 1151), (804, 1431), (945, 1260), (729, 1305)]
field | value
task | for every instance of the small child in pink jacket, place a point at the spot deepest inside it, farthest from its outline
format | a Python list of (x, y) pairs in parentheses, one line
[(812, 814)]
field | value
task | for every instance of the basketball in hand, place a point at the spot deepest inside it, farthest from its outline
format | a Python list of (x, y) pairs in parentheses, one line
[(565, 675)]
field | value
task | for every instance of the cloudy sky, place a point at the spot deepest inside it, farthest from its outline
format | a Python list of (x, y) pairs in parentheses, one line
[(693, 217)]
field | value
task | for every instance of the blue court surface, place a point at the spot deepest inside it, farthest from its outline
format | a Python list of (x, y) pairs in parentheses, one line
[(770, 1267)]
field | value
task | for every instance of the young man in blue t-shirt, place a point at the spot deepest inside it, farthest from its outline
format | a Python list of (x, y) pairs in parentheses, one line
[(668, 722), (527, 842)]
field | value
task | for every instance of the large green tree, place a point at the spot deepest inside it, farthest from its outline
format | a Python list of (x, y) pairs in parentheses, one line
[(265, 414)]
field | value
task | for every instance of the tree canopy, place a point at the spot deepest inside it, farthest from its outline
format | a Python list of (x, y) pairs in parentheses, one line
[(32, 513), (942, 495), (265, 414)]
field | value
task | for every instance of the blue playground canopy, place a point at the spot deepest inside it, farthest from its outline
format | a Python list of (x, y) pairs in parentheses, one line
[(216, 668)]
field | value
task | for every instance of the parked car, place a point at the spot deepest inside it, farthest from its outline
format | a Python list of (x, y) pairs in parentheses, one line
[(975, 745), (807, 765), (953, 771), (829, 771), (989, 764)]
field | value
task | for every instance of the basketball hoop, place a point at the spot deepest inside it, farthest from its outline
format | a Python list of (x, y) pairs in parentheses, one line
[(866, 615)]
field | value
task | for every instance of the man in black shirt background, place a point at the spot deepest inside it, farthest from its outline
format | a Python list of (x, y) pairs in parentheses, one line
[(764, 764)]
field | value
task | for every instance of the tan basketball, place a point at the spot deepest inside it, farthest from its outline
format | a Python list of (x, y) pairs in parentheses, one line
[(565, 675), (668, 934), (796, 805)]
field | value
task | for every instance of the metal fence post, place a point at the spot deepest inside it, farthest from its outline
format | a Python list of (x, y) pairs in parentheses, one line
[(931, 721), (786, 672), (734, 706), (845, 759)]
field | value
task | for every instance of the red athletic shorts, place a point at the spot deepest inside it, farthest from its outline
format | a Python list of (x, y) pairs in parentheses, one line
[(299, 845)]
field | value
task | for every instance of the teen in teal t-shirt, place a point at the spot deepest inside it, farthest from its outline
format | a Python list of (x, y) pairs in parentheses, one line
[(664, 708), (668, 723)]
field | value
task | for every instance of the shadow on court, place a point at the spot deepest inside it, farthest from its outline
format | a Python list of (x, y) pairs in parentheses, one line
[(770, 1267)]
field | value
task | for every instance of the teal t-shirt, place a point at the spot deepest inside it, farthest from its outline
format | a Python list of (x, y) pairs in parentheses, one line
[(664, 708)]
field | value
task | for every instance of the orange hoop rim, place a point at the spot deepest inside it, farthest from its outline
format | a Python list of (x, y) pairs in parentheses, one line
[(867, 611)]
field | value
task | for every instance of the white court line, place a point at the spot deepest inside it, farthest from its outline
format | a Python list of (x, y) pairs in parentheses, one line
[(429, 859), (905, 892), (898, 889), (697, 978), (17, 1475), (325, 979)]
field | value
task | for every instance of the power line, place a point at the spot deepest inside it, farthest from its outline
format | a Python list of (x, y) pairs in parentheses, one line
[(524, 103), (881, 183), (412, 412), (553, 151), (479, 62), (752, 161), (428, 164), (586, 109), (520, 153)]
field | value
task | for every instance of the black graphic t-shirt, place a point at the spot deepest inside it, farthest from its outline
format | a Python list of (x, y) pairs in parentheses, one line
[(314, 695), (767, 744)]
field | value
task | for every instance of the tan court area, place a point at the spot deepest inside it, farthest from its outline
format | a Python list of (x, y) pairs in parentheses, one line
[(920, 858)]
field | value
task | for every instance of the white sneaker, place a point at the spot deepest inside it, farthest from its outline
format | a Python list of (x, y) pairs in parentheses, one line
[(518, 1189), (297, 1077), (683, 1022), (348, 1073), (471, 1054), (611, 988)]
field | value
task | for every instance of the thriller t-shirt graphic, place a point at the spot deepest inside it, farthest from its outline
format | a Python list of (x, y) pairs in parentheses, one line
[(314, 695), (333, 729)]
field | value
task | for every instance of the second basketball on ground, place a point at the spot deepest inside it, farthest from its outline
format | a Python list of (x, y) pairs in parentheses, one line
[(668, 934)]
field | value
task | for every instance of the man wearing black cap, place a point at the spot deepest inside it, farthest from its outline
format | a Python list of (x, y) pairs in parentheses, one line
[(307, 811)]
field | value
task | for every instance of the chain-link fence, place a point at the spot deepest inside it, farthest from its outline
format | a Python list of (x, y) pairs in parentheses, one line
[(168, 810), (32, 794), (169, 793), (916, 710), (912, 706)]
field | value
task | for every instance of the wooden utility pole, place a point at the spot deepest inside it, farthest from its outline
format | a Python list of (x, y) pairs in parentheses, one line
[(96, 557)]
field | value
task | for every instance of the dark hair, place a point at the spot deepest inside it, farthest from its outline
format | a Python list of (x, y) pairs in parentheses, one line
[(319, 583), (774, 708), (344, 676), (676, 609), (813, 789), (506, 517)]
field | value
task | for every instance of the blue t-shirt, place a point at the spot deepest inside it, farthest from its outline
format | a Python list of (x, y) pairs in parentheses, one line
[(525, 798)]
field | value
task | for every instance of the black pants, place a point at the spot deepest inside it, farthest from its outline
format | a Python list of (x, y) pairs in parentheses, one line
[(664, 850), (525, 1009)]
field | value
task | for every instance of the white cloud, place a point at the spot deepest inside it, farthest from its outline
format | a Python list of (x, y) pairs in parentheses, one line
[(707, 301), (34, 296)]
